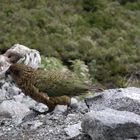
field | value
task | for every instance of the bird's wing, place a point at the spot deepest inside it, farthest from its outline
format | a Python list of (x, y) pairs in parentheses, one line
[(58, 83)]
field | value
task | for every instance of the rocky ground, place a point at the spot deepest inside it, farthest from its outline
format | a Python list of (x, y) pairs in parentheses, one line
[(112, 115)]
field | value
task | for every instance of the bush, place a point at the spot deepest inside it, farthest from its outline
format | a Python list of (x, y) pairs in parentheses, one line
[(100, 34)]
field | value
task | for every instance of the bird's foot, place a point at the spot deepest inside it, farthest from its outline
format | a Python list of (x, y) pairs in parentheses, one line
[(68, 111), (71, 107)]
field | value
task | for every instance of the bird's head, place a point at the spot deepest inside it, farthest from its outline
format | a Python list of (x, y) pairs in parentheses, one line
[(18, 72)]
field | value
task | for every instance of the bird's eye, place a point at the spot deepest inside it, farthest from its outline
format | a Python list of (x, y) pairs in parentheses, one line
[(9, 56)]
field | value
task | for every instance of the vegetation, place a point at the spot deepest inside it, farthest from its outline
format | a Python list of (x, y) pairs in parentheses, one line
[(102, 34)]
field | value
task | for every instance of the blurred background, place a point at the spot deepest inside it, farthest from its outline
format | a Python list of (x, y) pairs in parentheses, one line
[(97, 39)]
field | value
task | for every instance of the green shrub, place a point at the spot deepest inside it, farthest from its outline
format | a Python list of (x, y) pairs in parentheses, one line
[(82, 70), (103, 35)]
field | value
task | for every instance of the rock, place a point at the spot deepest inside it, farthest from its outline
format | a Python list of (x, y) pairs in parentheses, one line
[(32, 124), (60, 109), (32, 104), (4, 65), (127, 99), (58, 125), (118, 122), (40, 107), (31, 57), (111, 124), (1, 83), (29, 101), (14, 109), (8, 90), (81, 137), (82, 107), (19, 98), (74, 103), (73, 130), (2, 95)]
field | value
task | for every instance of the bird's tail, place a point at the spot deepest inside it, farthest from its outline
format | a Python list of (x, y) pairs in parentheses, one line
[(95, 87)]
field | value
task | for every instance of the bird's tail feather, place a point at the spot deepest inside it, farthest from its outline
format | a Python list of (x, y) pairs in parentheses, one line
[(95, 87)]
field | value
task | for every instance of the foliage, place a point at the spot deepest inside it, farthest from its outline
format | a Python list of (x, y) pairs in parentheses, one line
[(78, 67), (49, 63), (104, 34), (81, 69)]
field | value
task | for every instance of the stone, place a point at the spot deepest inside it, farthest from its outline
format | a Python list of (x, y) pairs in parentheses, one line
[(116, 123), (127, 99), (8, 90), (40, 107), (18, 98), (81, 137), (74, 103), (2, 95), (60, 109), (13, 108), (19, 54), (31, 57), (73, 130), (4, 65), (110, 124), (32, 124), (29, 101), (82, 107)]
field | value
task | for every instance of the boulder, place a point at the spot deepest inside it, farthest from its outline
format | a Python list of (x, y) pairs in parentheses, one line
[(110, 124), (13, 108), (127, 99), (73, 130), (114, 114)]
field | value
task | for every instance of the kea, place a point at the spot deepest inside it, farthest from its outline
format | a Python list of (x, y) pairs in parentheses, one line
[(50, 87)]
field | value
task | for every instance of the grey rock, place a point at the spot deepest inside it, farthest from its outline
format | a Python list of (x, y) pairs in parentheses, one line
[(39, 107), (8, 90), (32, 104), (1, 83), (73, 103), (111, 124), (30, 57), (19, 98), (29, 101), (52, 127), (127, 99), (73, 130), (82, 107), (32, 125), (2, 95), (60, 109), (58, 125), (81, 137), (13, 108), (16, 110)]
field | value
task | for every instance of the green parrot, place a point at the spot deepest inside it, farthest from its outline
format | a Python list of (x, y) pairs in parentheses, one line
[(50, 87)]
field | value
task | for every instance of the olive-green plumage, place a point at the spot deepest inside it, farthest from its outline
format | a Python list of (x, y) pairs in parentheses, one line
[(58, 83), (50, 87)]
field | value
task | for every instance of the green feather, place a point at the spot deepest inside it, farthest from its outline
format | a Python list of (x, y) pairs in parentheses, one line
[(58, 83)]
